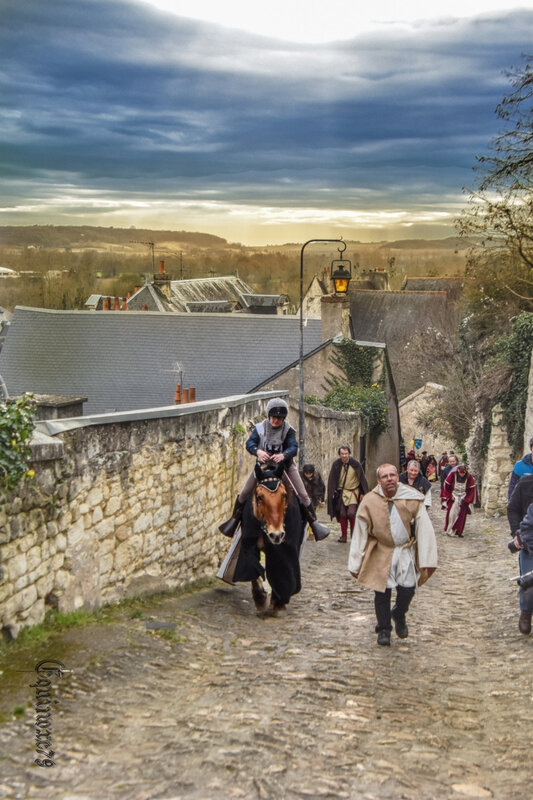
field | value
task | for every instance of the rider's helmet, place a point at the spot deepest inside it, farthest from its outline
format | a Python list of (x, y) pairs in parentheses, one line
[(277, 407)]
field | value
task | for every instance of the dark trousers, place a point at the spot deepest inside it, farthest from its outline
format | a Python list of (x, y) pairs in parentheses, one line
[(382, 601)]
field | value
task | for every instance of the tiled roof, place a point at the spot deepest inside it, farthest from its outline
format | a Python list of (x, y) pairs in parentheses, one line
[(129, 360), (453, 285)]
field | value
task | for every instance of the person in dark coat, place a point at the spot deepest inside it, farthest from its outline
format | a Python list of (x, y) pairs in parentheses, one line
[(346, 486), (517, 509), (314, 484), (413, 477)]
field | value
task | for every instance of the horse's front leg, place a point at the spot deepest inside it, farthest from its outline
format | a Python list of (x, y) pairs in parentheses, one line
[(259, 595)]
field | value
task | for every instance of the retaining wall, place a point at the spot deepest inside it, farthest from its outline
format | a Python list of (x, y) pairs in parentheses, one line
[(128, 504)]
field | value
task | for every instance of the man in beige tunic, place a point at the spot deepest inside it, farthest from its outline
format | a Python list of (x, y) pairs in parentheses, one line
[(393, 546)]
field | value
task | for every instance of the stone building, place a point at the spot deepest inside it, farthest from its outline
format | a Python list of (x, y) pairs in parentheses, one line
[(411, 407)]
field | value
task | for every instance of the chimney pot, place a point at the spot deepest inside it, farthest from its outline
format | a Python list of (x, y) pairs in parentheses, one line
[(161, 267)]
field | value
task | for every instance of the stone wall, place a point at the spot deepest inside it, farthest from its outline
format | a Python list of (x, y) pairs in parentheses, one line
[(131, 507), (411, 407), (528, 426), (325, 431), (128, 504), (498, 466)]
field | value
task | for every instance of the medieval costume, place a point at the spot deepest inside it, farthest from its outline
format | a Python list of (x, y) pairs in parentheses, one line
[(420, 483), (393, 546), (314, 484), (346, 486), (460, 493), (274, 436), (443, 475), (443, 462)]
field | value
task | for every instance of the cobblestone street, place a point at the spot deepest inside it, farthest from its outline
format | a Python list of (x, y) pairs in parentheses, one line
[(229, 705)]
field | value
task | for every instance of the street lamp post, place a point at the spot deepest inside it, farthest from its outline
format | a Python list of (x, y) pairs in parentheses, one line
[(301, 423)]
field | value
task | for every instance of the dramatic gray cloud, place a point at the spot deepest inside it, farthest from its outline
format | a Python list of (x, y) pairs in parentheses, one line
[(113, 111)]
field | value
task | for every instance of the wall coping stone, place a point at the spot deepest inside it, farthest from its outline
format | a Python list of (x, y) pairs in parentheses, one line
[(52, 427), (45, 448)]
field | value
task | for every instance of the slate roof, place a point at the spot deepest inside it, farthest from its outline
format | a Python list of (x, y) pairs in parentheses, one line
[(392, 317), (186, 295), (127, 360), (201, 289), (452, 285)]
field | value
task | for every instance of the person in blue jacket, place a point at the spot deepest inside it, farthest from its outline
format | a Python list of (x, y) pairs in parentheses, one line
[(521, 468), (274, 439)]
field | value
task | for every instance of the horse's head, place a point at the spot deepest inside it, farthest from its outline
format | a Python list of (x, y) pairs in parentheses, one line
[(270, 501)]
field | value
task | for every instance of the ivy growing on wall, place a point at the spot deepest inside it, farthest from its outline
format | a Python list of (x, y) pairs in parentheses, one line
[(356, 389), (16, 428), (355, 362), (515, 349), (370, 401)]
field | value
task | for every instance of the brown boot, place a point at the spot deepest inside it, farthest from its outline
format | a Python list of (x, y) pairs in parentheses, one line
[(524, 622), (228, 528)]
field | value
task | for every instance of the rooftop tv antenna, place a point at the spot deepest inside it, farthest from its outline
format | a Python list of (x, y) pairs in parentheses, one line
[(151, 245)]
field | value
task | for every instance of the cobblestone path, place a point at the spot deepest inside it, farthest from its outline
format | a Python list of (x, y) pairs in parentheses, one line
[(228, 705)]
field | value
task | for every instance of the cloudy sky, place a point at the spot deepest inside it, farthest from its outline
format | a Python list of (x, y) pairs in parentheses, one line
[(262, 123)]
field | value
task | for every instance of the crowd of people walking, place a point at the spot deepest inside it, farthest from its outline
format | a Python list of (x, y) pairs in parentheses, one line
[(392, 540)]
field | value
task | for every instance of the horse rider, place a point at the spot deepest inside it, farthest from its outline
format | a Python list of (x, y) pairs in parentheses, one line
[(274, 439)]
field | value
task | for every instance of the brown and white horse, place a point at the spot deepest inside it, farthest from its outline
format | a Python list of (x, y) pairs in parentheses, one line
[(272, 522)]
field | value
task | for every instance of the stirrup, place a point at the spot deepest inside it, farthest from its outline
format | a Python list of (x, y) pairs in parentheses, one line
[(319, 531)]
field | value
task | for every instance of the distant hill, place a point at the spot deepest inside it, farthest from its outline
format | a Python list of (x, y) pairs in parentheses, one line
[(450, 243), (86, 236)]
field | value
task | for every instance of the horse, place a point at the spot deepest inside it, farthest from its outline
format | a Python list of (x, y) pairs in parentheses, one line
[(272, 522)]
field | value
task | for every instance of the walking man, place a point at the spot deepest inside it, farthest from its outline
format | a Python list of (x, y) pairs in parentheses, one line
[(393, 546), (346, 486)]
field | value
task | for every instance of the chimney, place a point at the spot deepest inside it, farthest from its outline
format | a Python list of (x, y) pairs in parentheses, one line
[(124, 304), (335, 314), (105, 304), (116, 304), (177, 396), (185, 396), (192, 394), (162, 280)]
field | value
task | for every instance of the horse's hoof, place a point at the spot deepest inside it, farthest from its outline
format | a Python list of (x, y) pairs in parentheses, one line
[(280, 611), (261, 603)]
